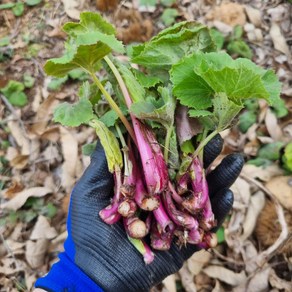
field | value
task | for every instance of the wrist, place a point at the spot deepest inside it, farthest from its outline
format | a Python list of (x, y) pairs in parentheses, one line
[(66, 276)]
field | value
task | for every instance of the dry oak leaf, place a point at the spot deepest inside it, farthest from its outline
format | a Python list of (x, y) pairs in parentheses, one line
[(36, 251), (281, 187), (71, 6), (20, 198), (225, 275), (197, 261), (43, 229), (229, 13)]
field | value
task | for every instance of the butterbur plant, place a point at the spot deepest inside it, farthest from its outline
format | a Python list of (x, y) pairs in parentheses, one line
[(160, 191)]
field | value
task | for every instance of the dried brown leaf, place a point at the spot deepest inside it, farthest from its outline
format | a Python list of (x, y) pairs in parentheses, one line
[(20, 198), (20, 161), (187, 279), (260, 281), (72, 8), (279, 283), (197, 261), (13, 189), (264, 174), (170, 283), (225, 275), (279, 40), (257, 202), (36, 251), (254, 15), (43, 229), (273, 128), (70, 153), (281, 187)]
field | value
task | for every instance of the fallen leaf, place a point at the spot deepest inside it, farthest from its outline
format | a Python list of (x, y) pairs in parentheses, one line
[(169, 283), (187, 279), (11, 266), (20, 161), (249, 254), (35, 252), (260, 281), (279, 40), (107, 5), (70, 154), (254, 15), (218, 287), (281, 187), (273, 128), (225, 275), (229, 13), (13, 189), (43, 229), (262, 173), (279, 283), (43, 116), (72, 8), (20, 198), (197, 261), (52, 134), (257, 202), (20, 136)]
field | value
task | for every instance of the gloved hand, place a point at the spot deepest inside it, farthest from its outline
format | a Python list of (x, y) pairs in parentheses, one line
[(99, 257)]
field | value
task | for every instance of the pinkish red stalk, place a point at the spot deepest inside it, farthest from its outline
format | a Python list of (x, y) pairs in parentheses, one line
[(160, 241), (182, 183), (154, 166), (143, 200), (110, 214), (164, 224), (178, 217), (207, 219), (148, 222), (195, 236), (135, 227), (148, 255)]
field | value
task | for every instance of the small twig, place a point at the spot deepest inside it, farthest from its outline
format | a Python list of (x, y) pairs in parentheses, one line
[(227, 259), (264, 256)]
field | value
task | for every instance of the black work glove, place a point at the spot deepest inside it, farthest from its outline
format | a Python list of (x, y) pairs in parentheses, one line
[(104, 254)]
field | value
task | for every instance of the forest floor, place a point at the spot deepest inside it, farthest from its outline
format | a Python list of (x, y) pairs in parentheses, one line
[(40, 161)]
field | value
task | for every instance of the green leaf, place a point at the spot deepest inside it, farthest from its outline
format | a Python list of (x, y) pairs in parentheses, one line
[(237, 32), (270, 151), (146, 81), (280, 109), (49, 210), (225, 111), (151, 3), (18, 99), (109, 118), (56, 83), (28, 80), (187, 147), (90, 91), (189, 88), (218, 38), (32, 2), (199, 113), (89, 41), (88, 149), (7, 6), (5, 41), (220, 235), (260, 162), (167, 2), (136, 91), (173, 159), (246, 120), (287, 157), (164, 114), (172, 44), (78, 74), (73, 115), (240, 48), (18, 9), (14, 93), (168, 16), (110, 145)]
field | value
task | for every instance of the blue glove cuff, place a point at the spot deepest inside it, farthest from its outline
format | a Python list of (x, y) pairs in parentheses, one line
[(66, 276)]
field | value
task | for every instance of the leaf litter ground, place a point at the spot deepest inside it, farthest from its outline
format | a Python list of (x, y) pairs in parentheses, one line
[(41, 161)]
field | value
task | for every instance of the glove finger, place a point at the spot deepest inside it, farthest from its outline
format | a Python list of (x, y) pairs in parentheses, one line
[(221, 205), (224, 175), (96, 179), (212, 150)]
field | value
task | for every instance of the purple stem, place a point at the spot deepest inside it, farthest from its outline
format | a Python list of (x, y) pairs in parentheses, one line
[(110, 213), (164, 224), (160, 241), (178, 217)]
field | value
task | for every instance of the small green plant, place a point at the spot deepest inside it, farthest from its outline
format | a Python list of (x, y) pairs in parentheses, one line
[(18, 7)]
